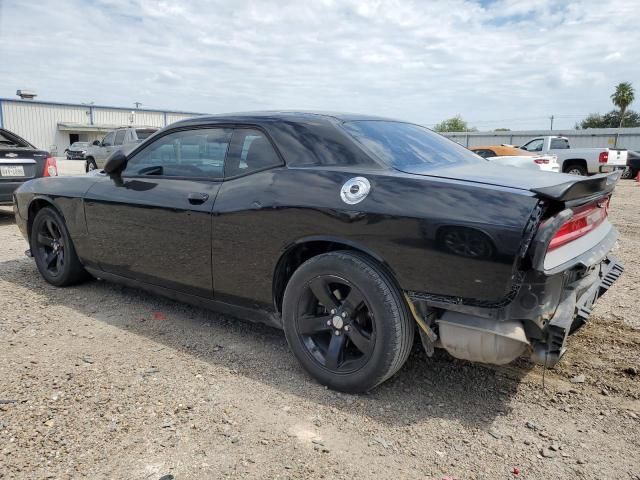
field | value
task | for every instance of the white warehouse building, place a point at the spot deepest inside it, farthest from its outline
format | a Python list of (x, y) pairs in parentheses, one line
[(53, 126)]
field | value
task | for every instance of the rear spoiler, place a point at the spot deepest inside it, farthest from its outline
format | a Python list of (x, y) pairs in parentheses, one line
[(580, 188)]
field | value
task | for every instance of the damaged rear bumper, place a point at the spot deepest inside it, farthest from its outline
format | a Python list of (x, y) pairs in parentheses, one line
[(574, 309)]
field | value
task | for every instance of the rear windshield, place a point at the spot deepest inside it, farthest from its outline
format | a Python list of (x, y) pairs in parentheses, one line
[(144, 134), (403, 144), (9, 140)]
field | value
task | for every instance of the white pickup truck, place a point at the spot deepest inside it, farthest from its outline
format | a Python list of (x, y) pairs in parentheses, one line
[(578, 161)]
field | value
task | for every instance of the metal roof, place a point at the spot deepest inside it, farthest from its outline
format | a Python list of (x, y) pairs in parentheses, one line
[(85, 105)]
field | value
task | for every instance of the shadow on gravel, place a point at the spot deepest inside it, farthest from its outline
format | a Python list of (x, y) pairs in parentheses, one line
[(425, 388), (6, 216)]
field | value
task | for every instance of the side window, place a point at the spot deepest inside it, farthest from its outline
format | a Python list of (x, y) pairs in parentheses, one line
[(119, 137), (250, 150), (189, 153), (559, 144), (484, 153), (107, 141), (534, 145)]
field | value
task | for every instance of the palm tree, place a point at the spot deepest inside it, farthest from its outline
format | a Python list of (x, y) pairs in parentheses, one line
[(622, 98)]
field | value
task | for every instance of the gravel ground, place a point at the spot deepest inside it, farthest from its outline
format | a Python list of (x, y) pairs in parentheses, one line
[(100, 381)]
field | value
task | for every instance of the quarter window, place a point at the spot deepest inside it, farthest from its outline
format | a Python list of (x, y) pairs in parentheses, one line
[(191, 153), (559, 144), (250, 151)]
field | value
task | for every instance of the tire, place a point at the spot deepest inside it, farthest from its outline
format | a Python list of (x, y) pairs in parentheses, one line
[(628, 173), (53, 250), (375, 334), (90, 164), (576, 169)]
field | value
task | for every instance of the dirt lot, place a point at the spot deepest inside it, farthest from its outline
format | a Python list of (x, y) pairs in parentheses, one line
[(101, 381)]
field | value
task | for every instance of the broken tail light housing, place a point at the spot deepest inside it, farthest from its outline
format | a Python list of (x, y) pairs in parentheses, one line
[(584, 220), (50, 167), (603, 157)]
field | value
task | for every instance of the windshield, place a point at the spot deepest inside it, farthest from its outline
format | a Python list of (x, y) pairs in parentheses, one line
[(403, 144), (144, 134), (79, 145)]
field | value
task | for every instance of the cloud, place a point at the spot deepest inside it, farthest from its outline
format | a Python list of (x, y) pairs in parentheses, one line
[(518, 60)]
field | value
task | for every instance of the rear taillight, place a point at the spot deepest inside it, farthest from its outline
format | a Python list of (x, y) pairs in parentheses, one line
[(50, 168), (584, 220), (541, 161), (604, 157)]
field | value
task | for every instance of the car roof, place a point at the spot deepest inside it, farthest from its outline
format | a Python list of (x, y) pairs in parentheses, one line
[(503, 151), (280, 115)]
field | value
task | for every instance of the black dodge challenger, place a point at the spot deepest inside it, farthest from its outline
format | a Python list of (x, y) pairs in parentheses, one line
[(349, 232)]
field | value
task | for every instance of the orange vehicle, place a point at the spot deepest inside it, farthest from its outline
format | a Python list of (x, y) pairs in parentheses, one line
[(500, 151), (515, 157)]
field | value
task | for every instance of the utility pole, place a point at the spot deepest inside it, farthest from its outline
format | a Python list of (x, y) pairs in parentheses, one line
[(551, 118), (137, 104)]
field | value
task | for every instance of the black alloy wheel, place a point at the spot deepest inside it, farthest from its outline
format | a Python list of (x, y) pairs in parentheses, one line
[(335, 324), (346, 321), (50, 246), (53, 250)]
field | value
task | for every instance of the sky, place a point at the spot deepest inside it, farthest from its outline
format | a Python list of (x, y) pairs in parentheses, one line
[(499, 64)]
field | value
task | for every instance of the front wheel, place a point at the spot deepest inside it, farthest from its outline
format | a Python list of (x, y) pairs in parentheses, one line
[(53, 250), (346, 321), (90, 165)]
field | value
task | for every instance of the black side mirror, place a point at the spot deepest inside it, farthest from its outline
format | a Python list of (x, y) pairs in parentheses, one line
[(115, 164), (96, 143)]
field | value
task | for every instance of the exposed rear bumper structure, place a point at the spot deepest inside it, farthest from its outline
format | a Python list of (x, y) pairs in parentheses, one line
[(574, 310)]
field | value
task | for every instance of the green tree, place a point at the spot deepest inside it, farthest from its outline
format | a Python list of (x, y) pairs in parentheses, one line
[(622, 98), (454, 124), (609, 120)]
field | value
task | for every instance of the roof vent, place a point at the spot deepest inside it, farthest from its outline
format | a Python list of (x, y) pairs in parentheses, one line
[(26, 94)]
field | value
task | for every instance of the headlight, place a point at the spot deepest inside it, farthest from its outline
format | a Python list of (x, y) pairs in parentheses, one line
[(83, 151)]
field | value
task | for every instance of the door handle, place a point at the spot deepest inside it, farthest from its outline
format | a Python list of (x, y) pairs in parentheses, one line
[(198, 198)]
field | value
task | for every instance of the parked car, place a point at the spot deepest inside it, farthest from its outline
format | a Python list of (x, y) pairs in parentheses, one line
[(633, 165), (19, 162), (125, 139), (77, 150), (514, 157), (578, 161), (345, 231)]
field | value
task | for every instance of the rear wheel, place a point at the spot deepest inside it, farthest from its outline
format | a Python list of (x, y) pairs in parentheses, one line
[(628, 173), (53, 250), (90, 164), (576, 169), (346, 321)]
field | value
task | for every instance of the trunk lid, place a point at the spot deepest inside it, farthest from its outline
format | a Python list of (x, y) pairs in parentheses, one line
[(21, 163), (555, 186)]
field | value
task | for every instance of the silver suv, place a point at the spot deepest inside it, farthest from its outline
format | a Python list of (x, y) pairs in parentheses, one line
[(125, 139)]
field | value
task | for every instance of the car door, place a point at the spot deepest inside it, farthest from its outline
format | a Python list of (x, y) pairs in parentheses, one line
[(105, 149), (246, 225), (155, 226)]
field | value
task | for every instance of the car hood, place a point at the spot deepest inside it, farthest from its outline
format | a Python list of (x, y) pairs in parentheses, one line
[(557, 186)]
